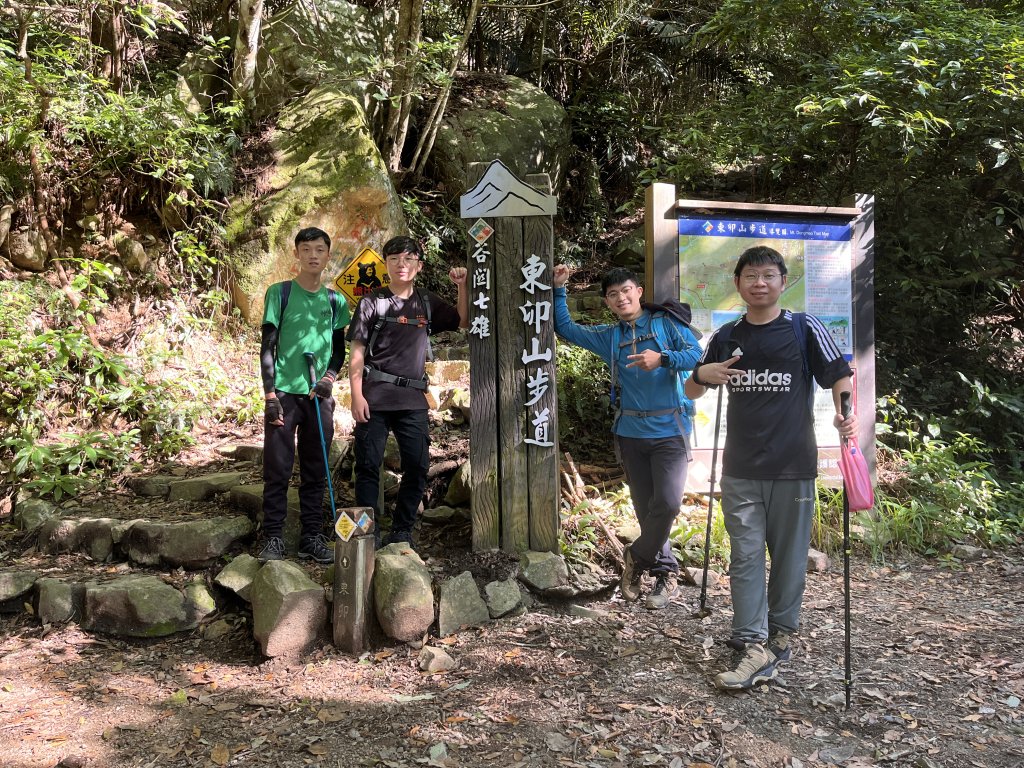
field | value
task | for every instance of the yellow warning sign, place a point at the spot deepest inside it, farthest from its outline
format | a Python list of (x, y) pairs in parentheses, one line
[(365, 273), (345, 526)]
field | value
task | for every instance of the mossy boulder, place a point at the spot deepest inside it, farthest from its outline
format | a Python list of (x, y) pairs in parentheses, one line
[(327, 173), (506, 118)]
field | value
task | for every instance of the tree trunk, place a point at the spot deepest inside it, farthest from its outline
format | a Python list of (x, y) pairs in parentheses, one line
[(429, 133), (410, 15), (107, 32), (247, 42)]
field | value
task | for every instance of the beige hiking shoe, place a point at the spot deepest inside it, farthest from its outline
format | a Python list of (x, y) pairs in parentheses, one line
[(666, 586), (629, 585), (753, 665)]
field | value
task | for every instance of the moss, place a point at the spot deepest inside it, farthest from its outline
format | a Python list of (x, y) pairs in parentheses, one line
[(325, 153)]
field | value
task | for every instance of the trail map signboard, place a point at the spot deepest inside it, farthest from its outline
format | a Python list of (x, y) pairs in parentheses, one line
[(829, 262)]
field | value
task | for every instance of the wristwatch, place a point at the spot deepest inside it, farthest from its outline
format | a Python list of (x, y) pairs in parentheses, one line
[(665, 361)]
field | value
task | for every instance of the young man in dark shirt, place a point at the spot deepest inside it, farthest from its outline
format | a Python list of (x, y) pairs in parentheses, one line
[(310, 321), (770, 459), (388, 379)]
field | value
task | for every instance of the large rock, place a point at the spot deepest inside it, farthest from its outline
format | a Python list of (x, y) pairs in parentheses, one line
[(190, 544), (26, 249), (138, 606), (289, 610), (508, 119), (302, 39), (202, 487), (402, 593), (460, 605), (29, 514), (238, 576), (93, 536), (14, 587), (59, 601), (503, 597), (249, 498), (543, 571), (460, 489), (328, 173)]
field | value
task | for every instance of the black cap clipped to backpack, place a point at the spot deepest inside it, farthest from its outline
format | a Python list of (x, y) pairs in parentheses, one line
[(678, 310)]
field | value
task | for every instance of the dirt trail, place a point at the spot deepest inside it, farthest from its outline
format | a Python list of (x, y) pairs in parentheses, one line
[(939, 679)]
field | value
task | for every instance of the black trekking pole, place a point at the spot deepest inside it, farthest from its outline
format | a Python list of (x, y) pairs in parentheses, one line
[(711, 503), (844, 408), (310, 357)]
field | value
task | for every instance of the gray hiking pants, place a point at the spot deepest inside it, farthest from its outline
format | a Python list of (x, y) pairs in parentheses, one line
[(776, 514), (656, 475)]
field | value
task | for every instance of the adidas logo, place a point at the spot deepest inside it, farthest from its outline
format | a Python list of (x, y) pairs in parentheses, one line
[(761, 379)]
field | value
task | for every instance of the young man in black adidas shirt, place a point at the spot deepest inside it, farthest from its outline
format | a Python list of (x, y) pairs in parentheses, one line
[(387, 373), (770, 459)]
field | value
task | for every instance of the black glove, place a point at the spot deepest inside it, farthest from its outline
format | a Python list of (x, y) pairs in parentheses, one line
[(324, 388), (272, 411)]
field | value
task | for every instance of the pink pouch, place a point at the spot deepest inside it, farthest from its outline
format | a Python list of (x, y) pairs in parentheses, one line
[(856, 477)]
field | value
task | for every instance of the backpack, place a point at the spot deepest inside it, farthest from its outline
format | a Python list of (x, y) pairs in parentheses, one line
[(799, 323), (660, 314), (381, 306), (286, 289)]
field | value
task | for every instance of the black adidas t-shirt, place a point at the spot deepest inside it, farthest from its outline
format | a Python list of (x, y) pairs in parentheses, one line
[(770, 427), (399, 348)]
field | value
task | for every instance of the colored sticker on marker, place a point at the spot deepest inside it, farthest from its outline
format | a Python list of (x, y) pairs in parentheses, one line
[(480, 231), (365, 523), (345, 526)]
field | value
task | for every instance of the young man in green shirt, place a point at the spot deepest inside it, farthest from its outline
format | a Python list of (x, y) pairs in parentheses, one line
[(300, 317)]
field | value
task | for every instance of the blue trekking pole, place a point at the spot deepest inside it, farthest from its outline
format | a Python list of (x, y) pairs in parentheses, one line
[(310, 358)]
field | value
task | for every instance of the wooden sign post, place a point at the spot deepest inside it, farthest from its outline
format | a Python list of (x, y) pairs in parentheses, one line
[(514, 424)]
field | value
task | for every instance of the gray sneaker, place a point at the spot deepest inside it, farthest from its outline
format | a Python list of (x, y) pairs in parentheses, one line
[(317, 548), (273, 549), (666, 586), (753, 665), (780, 643), (629, 584)]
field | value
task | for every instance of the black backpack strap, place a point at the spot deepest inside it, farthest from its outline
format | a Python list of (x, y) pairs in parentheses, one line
[(286, 290)]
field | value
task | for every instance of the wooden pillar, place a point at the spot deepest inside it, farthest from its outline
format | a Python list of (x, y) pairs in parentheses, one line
[(661, 243), (514, 425)]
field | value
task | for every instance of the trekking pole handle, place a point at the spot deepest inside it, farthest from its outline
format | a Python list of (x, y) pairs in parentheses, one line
[(845, 407), (311, 362)]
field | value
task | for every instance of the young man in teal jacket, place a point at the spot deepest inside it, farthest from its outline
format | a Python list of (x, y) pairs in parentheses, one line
[(647, 354)]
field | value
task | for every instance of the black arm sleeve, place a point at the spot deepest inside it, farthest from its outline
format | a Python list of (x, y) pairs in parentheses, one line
[(268, 355), (337, 352)]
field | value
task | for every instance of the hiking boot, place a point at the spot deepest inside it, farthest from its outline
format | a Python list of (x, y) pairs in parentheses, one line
[(629, 585), (273, 549), (317, 548), (753, 665), (780, 643), (666, 586)]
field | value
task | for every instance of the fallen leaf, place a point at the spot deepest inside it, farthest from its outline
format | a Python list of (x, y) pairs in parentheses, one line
[(317, 748), (220, 754)]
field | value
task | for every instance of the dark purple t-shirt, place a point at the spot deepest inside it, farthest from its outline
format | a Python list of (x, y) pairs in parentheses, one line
[(399, 348)]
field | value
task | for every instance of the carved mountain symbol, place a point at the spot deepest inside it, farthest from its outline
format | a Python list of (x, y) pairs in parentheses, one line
[(500, 193)]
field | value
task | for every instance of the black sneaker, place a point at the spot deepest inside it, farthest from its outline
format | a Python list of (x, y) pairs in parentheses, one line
[(629, 585), (666, 586), (273, 549), (318, 548)]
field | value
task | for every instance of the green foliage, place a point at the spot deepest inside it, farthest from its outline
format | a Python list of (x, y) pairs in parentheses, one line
[(583, 539), (584, 403)]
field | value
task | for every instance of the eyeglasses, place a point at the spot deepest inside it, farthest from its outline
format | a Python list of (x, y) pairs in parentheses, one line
[(749, 278), (402, 258), (625, 290)]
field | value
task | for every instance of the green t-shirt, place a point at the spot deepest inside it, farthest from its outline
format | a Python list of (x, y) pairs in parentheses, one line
[(307, 327)]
